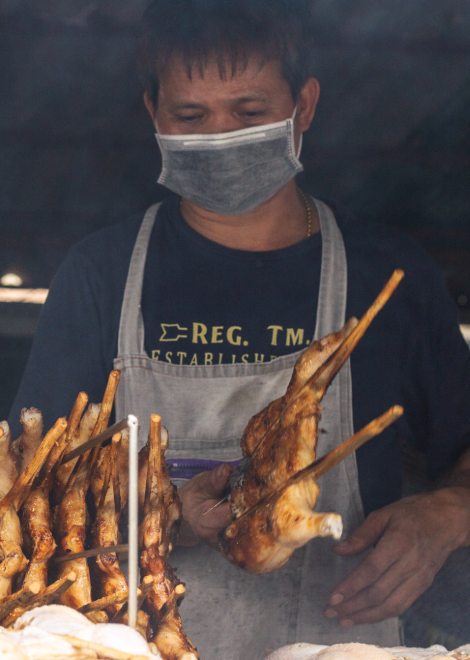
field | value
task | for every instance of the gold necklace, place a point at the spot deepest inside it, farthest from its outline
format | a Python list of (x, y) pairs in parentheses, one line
[(308, 212)]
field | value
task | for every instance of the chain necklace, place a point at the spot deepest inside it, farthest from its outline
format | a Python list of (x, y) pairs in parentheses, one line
[(308, 212)]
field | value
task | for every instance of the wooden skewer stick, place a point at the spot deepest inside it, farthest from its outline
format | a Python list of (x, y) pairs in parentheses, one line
[(102, 651), (20, 489), (339, 453), (107, 402), (18, 599), (73, 422), (95, 441), (103, 603), (322, 378), (100, 428), (44, 597), (104, 416)]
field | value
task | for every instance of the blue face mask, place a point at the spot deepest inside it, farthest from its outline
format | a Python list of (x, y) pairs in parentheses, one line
[(230, 173)]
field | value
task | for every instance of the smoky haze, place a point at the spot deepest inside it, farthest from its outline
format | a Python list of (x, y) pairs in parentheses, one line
[(391, 139)]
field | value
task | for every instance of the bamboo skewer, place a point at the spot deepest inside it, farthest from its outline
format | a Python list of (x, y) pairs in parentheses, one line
[(94, 441), (102, 603), (99, 429), (73, 422), (18, 599), (20, 489), (44, 597), (322, 378)]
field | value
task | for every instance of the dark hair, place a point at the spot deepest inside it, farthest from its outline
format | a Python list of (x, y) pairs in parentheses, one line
[(229, 30)]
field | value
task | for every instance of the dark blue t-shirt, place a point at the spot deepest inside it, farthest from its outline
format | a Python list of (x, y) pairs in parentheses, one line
[(204, 303)]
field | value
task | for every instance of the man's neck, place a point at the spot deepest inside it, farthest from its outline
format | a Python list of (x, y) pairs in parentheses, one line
[(277, 223)]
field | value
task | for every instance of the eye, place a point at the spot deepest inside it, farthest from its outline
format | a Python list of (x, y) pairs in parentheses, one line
[(188, 119), (253, 114)]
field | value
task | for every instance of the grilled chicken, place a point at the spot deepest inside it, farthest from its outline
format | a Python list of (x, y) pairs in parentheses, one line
[(12, 559), (161, 512), (36, 513), (72, 510), (274, 491), (71, 514), (8, 469), (28, 442), (71, 530), (37, 527), (105, 532)]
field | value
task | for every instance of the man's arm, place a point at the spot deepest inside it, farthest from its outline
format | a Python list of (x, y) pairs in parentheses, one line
[(409, 541)]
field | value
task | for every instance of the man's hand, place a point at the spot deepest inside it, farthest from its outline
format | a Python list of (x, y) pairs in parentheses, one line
[(198, 496), (409, 540)]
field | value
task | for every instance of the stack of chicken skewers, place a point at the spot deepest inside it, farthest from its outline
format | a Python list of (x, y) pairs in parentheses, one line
[(47, 503)]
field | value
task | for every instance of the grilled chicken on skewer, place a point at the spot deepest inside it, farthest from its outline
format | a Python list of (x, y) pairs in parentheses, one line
[(160, 508), (72, 510), (263, 539), (106, 526), (168, 493), (71, 516), (36, 513), (272, 510), (71, 530), (37, 523), (13, 560)]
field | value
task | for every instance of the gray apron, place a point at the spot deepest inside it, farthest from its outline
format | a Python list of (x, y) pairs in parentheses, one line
[(228, 613)]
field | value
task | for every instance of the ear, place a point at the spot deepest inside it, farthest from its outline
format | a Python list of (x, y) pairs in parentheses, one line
[(307, 103), (151, 109)]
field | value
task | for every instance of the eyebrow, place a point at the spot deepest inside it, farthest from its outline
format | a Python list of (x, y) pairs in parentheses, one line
[(186, 106), (191, 105)]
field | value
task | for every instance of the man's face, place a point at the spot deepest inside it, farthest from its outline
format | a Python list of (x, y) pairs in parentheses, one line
[(208, 104)]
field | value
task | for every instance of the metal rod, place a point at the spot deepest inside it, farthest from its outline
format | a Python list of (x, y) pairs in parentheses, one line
[(94, 442), (133, 425), (93, 552)]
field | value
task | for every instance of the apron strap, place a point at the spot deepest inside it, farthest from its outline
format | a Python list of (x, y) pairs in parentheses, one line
[(331, 309), (131, 328), (331, 316)]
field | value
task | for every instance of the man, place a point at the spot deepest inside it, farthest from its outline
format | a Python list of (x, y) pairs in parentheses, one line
[(205, 306)]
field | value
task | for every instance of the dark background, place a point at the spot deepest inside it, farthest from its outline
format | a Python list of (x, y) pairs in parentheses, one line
[(391, 139)]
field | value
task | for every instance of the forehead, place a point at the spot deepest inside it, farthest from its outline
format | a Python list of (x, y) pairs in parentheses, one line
[(212, 82)]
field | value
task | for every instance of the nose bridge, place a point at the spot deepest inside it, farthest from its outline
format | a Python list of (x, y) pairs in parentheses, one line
[(223, 120)]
